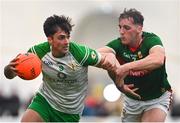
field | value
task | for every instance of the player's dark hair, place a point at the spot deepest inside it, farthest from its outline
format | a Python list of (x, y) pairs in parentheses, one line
[(54, 22), (132, 13)]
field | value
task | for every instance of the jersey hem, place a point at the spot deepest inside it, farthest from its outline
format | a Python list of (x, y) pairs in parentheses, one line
[(71, 112)]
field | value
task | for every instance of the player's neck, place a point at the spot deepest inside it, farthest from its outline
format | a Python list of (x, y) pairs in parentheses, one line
[(58, 55), (136, 44), (137, 41)]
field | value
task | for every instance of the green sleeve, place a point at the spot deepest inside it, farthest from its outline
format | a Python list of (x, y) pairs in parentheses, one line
[(84, 55), (153, 41), (41, 49)]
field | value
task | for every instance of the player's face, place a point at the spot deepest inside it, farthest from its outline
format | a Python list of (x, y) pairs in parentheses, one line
[(129, 31), (60, 43)]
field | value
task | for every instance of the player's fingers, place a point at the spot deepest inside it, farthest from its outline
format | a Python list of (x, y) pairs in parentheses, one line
[(130, 85), (15, 59), (13, 64), (112, 68), (108, 66), (14, 69), (19, 73), (136, 95), (135, 89), (132, 92), (105, 66), (18, 55)]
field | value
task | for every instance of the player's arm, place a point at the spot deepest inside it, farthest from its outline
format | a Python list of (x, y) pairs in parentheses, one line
[(108, 59), (106, 49), (9, 70), (108, 62), (118, 80), (154, 60), (99, 59), (40, 50)]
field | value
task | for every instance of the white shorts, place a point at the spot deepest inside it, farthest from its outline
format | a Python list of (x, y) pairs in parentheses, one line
[(133, 109)]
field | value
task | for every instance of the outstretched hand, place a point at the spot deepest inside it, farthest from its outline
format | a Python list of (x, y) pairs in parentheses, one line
[(129, 89)]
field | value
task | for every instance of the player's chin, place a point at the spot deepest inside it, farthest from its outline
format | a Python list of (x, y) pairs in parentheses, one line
[(65, 50), (124, 42)]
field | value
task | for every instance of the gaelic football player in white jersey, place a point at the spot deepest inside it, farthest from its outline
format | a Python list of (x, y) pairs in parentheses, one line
[(61, 95)]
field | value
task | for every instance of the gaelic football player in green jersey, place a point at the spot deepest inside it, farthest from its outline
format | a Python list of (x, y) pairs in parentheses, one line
[(142, 58), (60, 97)]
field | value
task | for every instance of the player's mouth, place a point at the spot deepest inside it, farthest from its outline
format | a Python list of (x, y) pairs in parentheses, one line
[(123, 38), (66, 48)]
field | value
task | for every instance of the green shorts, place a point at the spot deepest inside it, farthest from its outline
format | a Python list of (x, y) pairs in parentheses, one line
[(49, 114)]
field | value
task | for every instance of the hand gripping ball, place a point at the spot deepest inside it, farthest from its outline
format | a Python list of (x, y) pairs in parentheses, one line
[(29, 66)]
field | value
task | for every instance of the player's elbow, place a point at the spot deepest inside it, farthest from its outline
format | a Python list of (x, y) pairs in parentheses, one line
[(159, 60)]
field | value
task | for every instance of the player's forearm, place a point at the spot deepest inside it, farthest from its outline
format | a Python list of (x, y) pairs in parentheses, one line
[(105, 49), (108, 61), (9, 74), (112, 75), (151, 62)]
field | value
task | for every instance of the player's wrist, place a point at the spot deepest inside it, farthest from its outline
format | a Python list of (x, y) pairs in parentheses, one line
[(121, 88), (127, 68)]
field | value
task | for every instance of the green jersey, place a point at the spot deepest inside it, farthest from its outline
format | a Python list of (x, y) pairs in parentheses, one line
[(154, 83), (65, 79)]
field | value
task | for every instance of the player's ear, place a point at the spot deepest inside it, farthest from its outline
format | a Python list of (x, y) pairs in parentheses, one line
[(139, 28), (49, 40)]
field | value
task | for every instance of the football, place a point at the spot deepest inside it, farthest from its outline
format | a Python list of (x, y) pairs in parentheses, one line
[(29, 66)]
